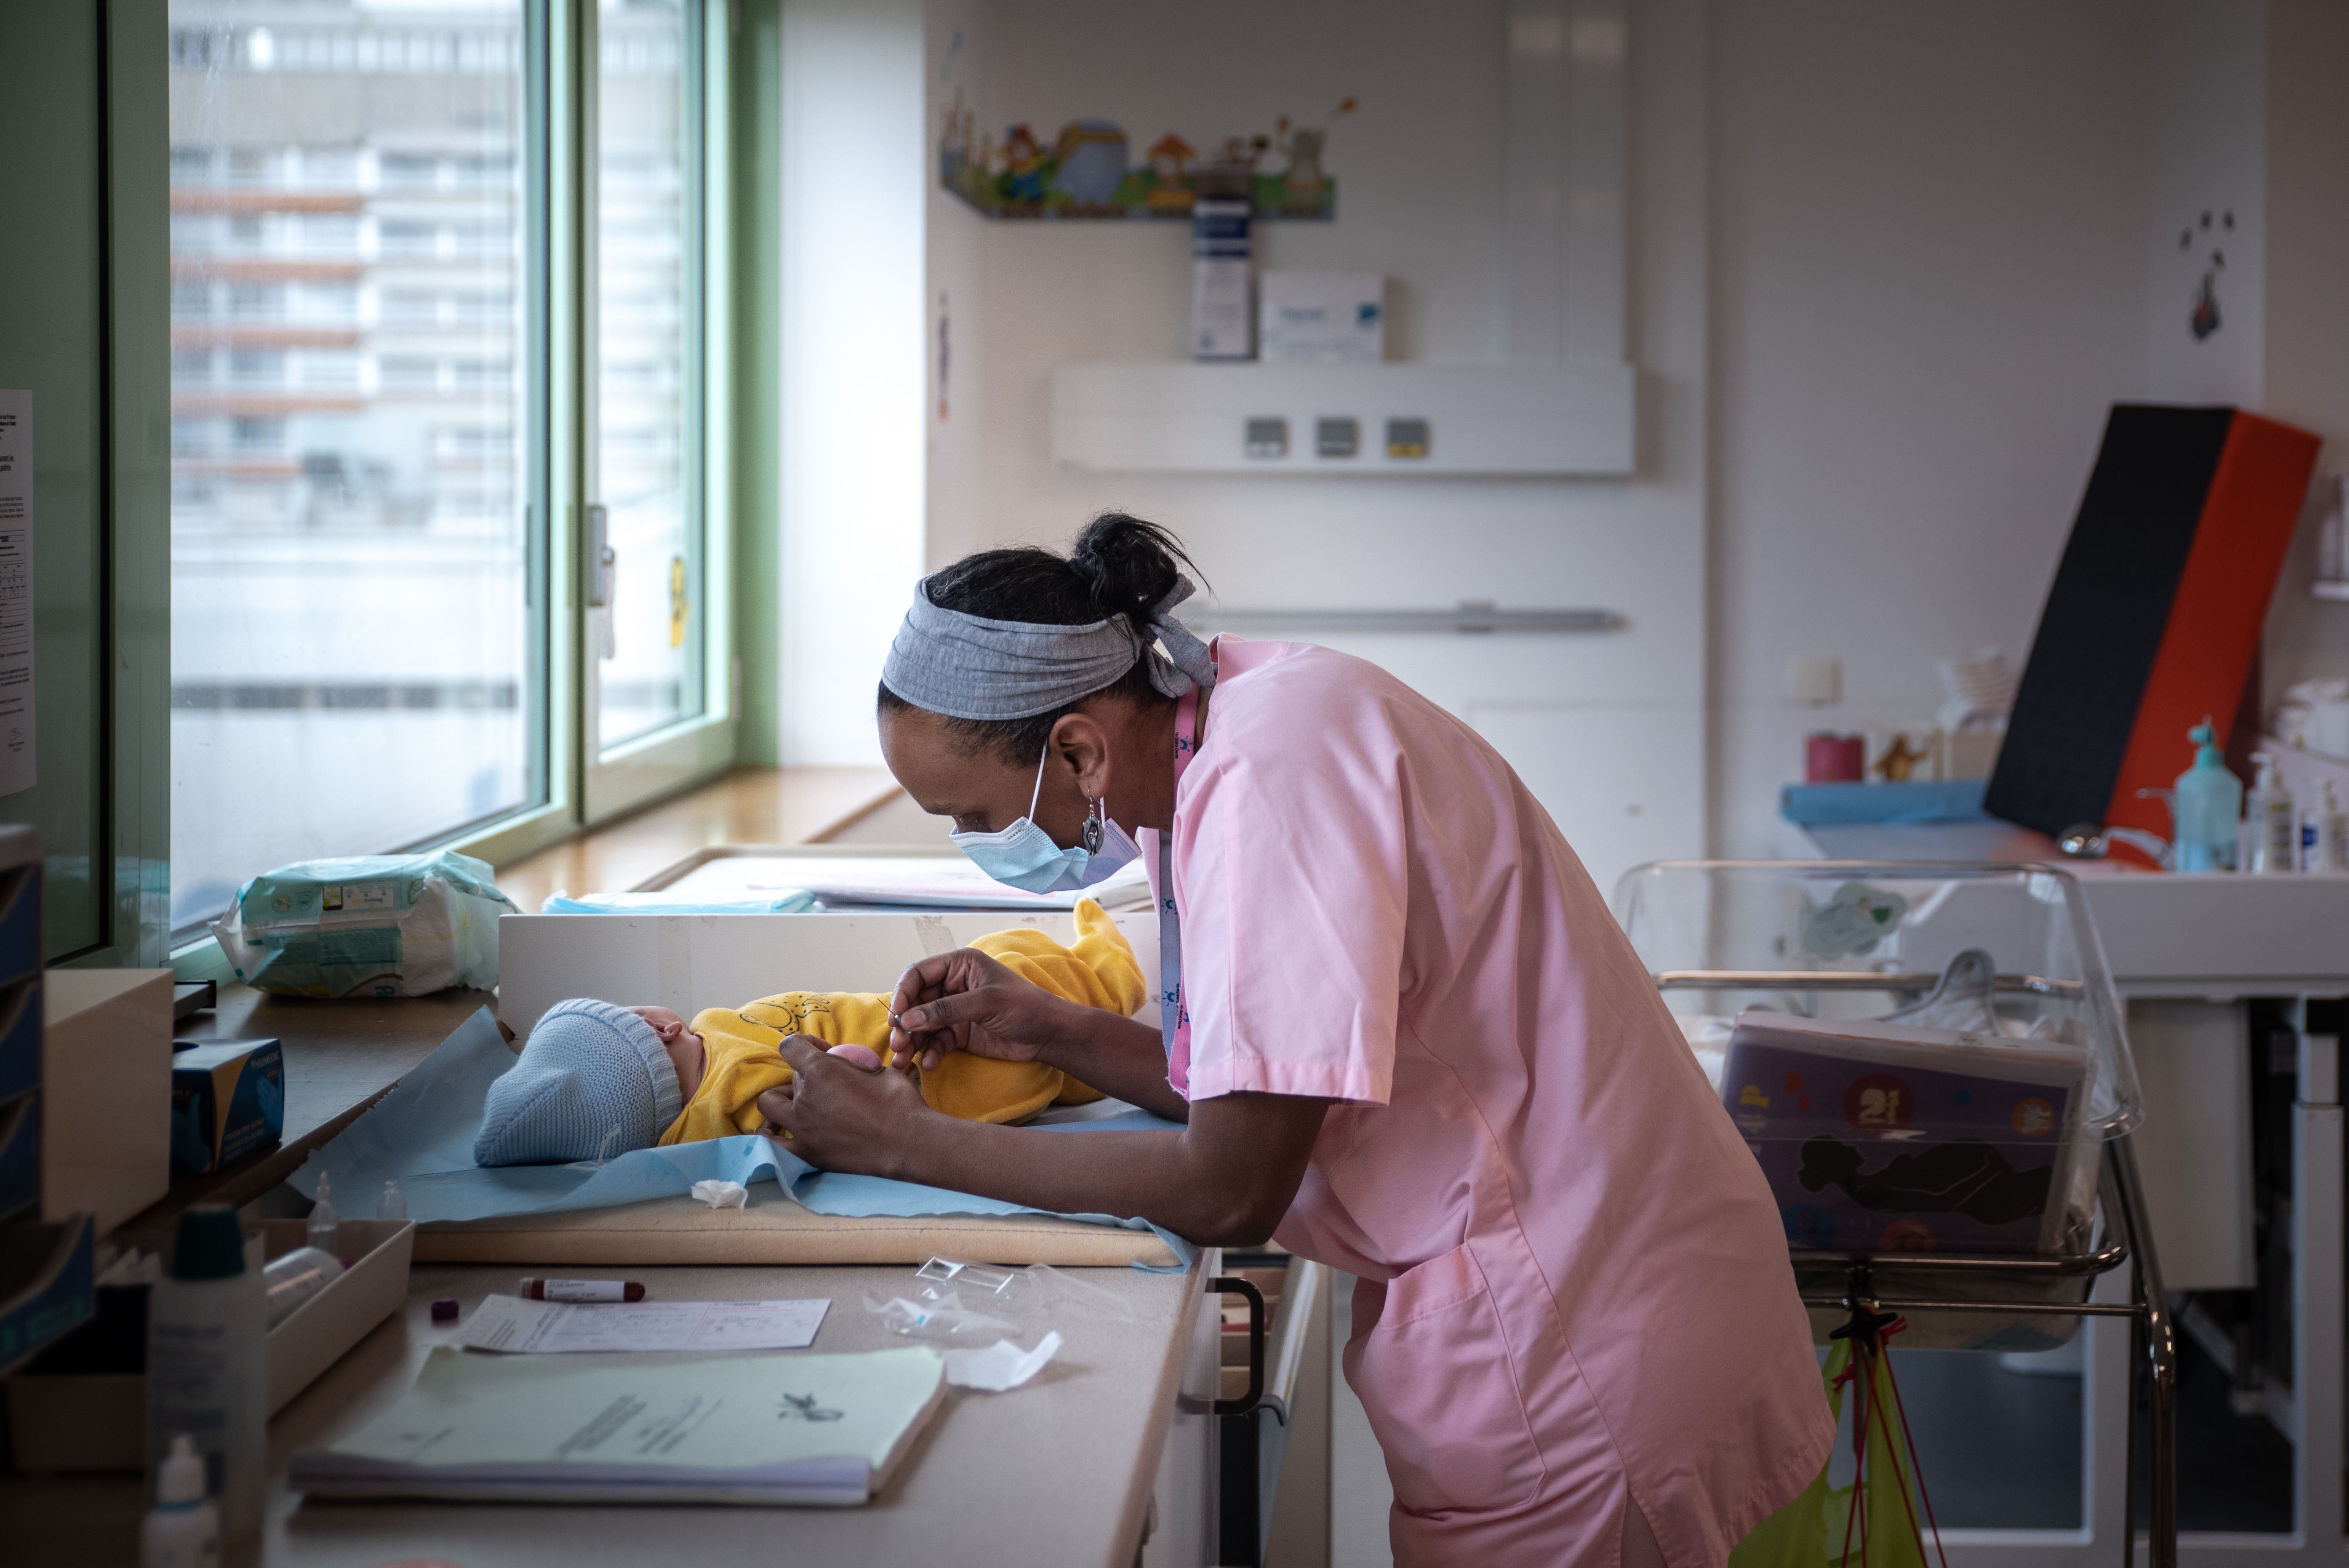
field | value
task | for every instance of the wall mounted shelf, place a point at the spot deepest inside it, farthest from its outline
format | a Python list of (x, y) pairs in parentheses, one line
[(1254, 418)]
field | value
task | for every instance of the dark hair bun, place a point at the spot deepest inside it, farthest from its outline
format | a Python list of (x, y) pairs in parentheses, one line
[(1120, 565), (1128, 564)]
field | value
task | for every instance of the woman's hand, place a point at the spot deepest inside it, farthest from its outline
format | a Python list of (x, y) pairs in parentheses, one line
[(841, 1115), (966, 1001)]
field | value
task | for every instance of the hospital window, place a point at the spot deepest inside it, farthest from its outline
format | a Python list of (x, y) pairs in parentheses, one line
[(324, 550), (388, 442), (647, 431)]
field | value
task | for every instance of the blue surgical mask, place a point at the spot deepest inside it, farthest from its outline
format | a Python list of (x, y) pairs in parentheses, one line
[(1024, 856)]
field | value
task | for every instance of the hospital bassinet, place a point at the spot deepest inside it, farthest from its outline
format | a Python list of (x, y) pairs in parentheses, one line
[(1838, 943)]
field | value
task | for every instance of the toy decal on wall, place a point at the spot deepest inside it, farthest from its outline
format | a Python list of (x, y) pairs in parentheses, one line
[(1088, 171), (2202, 318)]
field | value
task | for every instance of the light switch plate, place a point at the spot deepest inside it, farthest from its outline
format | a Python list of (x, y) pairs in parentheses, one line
[(1815, 678)]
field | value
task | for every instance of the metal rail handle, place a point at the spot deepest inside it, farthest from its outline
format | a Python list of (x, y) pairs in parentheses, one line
[(1842, 980), (1246, 1402), (2111, 1255)]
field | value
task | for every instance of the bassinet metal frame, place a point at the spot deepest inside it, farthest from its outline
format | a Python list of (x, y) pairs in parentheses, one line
[(1902, 1281)]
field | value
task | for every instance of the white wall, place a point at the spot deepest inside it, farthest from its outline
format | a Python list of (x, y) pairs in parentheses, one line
[(1928, 280), (1608, 729), (2207, 140), (852, 356), (1890, 266), (2305, 353)]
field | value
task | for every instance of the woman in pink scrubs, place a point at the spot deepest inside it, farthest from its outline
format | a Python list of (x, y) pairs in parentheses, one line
[(1402, 1035)]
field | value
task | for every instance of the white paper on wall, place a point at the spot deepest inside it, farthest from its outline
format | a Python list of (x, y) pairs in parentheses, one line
[(16, 591)]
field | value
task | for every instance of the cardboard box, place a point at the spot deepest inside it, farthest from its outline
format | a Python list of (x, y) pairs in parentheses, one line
[(1321, 318), (105, 1092), (228, 1100), (97, 1420)]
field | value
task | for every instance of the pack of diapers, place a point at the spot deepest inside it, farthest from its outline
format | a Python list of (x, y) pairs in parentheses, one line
[(366, 925)]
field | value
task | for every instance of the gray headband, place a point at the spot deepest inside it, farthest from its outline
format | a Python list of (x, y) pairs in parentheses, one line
[(967, 666)]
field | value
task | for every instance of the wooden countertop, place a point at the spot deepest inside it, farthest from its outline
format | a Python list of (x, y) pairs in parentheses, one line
[(1060, 1471)]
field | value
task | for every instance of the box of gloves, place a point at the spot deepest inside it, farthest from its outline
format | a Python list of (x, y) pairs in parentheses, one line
[(228, 1100)]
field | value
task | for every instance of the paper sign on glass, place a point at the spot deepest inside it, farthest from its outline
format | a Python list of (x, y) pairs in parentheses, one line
[(16, 770)]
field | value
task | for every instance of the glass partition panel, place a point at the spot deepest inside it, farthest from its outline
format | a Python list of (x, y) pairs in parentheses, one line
[(355, 661), (647, 424)]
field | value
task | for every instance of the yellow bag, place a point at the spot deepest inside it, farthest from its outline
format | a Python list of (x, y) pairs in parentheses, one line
[(1875, 1521)]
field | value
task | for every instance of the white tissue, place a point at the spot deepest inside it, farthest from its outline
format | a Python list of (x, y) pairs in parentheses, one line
[(722, 1194), (1001, 1365)]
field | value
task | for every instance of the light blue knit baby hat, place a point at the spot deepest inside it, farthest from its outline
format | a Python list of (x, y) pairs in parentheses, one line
[(589, 1067)]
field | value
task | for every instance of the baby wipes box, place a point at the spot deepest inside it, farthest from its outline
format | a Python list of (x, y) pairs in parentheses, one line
[(366, 925), (228, 1099)]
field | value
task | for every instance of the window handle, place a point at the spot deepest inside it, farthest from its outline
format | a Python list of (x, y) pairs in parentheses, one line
[(607, 561)]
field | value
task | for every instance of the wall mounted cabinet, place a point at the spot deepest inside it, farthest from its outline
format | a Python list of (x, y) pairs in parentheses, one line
[(1547, 420)]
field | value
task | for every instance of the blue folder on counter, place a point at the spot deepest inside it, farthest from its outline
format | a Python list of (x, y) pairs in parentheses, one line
[(1833, 805)]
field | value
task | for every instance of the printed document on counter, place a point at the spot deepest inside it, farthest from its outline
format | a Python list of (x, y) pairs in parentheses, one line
[(824, 1429), (510, 1322)]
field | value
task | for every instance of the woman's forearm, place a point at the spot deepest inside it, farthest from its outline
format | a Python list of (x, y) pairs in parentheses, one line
[(1224, 1183), (1123, 1057)]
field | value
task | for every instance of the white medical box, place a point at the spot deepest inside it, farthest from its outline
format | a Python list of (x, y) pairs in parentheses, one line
[(105, 1092), (1321, 318)]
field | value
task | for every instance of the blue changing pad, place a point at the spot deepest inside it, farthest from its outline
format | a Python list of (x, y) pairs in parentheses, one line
[(421, 1136)]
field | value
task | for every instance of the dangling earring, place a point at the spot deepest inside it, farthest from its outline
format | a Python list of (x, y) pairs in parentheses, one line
[(1091, 833)]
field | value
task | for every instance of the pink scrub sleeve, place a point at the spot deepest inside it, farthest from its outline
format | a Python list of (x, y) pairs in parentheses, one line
[(1293, 902)]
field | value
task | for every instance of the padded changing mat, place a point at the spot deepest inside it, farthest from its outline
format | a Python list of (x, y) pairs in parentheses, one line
[(773, 1228)]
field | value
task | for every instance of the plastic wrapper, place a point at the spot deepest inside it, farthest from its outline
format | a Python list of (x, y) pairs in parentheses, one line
[(366, 925)]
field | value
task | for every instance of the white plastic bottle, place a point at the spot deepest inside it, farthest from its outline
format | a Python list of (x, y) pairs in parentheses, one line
[(2273, 825), (2324, 834), (325, 1225), (208, 1364), (183, 1529)]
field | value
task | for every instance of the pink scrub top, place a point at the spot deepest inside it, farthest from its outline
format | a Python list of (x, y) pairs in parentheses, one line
[(1574, 1293)]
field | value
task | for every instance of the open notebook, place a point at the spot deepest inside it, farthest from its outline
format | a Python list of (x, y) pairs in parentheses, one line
[(827, 1429)]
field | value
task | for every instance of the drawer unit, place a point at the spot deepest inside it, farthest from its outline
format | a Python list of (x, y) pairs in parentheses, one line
[(46, 1282), (20, 922), (20, 1037), (20, 1156)]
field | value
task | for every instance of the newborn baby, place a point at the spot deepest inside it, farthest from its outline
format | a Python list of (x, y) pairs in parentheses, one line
[(596, 1079)]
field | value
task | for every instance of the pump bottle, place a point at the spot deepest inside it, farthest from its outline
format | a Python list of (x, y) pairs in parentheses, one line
[(2324, 835), (2208, 804), (2273, 825)]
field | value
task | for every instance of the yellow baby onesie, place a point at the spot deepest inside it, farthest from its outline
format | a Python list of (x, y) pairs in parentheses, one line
[(742, 1063)]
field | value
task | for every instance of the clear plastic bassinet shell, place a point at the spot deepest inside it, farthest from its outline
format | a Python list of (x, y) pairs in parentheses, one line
[(1861, 940)]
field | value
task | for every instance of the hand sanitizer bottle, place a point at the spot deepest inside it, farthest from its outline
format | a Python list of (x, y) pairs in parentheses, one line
[(183, 1531), (2274, 825), (2324, 835), (2208, 804)]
